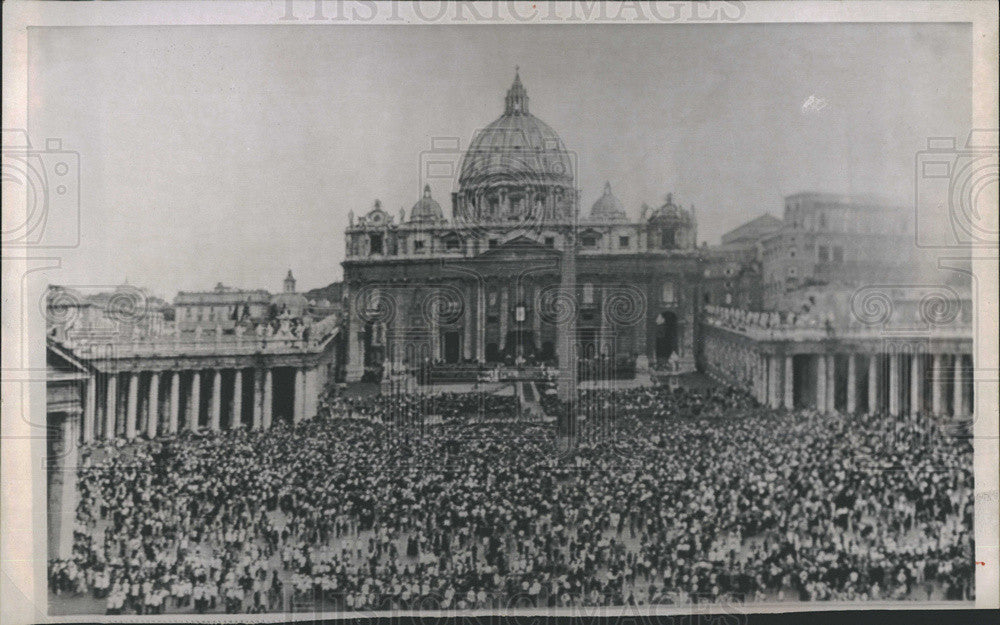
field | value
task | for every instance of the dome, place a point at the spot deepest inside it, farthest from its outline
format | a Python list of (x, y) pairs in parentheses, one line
[(607, 207), (516, 146), (426, 209), (670, 212)]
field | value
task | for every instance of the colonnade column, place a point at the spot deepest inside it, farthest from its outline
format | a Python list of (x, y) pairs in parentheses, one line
[(873, 406), (821, 383), (789, 382), (937, 384), (268, 398), (299, 395), (916, 398), (959, 409), (194, 415), (237, 420), (175, 401), (154, 405), (90, 409), (311, 393), (894, 384), (258, 398), (774, 381), (215, 416), (852, 383), (132, 409)]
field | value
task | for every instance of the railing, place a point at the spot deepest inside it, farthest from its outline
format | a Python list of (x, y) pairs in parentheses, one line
[(168, 346), (784, 326)]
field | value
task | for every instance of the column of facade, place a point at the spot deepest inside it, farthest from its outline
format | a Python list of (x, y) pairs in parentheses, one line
[(959, 409), (789, 382), (215, 414), (504, 318), (831, 382), (175, 401), (258, 398), (605, 339), (355, 346), (894, 384), (435, 327), (641, 328), (873, 406), (154, 405), (90, 409), (916, 389), (237, 420), (194, 418), (467, 322), (480, 322), (312, 392), (821, 383), (852, 383), (132, 409), (937, 384), (536, 319), (268, 399)]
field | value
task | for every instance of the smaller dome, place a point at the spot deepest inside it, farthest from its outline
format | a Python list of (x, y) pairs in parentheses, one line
[(670, 212), (607, 207), (426, 209)]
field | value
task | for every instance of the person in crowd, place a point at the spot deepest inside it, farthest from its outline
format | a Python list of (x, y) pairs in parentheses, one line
[(672, 496)]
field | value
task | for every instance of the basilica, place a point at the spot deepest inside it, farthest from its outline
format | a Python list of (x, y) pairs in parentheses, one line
[(482, 284)]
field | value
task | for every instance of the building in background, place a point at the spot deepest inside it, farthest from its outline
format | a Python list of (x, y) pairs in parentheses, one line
[(732, 273), (835, 241), (483, 286), (223, 306)]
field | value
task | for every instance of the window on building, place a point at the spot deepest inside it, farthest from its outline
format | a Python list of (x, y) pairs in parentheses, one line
[(822, 220), (824, 254), (418, 247), (588, 293), (838, 254), (493, 243), (668, 293), (668, 238), (623, 241), (588, 240), (550, 241), (451, 244), (707, 298), (376, 244)]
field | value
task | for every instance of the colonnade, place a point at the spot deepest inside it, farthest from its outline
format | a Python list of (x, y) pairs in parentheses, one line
[(155, 403), (894, 383)]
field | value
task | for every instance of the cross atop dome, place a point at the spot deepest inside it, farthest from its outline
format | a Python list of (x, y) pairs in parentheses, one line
[(517, 96)]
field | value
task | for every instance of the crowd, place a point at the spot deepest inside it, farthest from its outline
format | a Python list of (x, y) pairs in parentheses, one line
[(715, 499), (416, 409)]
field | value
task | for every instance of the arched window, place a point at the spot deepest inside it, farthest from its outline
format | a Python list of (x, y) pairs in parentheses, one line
[(668, 293)]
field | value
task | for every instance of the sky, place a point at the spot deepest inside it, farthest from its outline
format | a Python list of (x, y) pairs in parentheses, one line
[(234, 153)]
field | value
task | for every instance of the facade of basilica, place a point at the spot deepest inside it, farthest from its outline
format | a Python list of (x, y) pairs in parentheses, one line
[(482, 285)]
